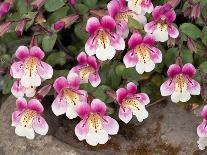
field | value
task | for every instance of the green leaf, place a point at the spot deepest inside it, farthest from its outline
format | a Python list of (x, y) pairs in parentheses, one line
[(88, 87), (80, 31), (204, 35), (48, 42), (100, 93), (191, 30), (57, 58), (134, 24), (52, 5), (7, 84), (90, 3), (21, 7), (130, 74), (5, 60), (170, 56), (82, 9), (203, 67), (187, 56)]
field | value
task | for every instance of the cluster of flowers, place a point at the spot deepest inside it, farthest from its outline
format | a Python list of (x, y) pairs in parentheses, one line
[(103, 42)]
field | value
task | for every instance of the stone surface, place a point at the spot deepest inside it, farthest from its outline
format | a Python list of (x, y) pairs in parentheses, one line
[(169, 130)]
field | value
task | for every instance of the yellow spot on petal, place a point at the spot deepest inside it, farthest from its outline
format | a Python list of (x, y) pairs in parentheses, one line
[(180, 83), (142, 53), (30, 68), (103, 39), (131, 103), (27, 118), (71, 97), (162, 26), (85, 72), (94, 122)]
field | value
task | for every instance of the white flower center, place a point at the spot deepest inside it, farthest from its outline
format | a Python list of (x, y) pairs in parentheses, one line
[(71, 97), (162, 26), (27, 118), (180, 83), (142, 53), (30, 68), (94, 122)]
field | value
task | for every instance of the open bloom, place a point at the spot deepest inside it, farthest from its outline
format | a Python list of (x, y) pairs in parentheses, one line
[(161, 25), (180, 84), (121, 13), (202, 128), (131, 103), (87, 69), (143, 54), (31, 69), (102, 41), (68, 95), (95, 127), (19, 91), (28, 119), (141, 6)]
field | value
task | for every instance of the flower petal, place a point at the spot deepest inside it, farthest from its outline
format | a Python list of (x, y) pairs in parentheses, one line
[(173, 31), (45, 70), (108, 22), (25, 132), (83, 95), (155, 55), (59, 105), (125, 114), (73, 81), (122, 29), (91, 45), (81, 130), (113, 8), (60, 83), (161, 36), (121, 94), (189, 70), (16, 116), (141, 19), (28, 81), (150, 27), (93, 138), (167, 88), (135, 40), (130, 59), (37, 52), (202, 129), (204, 112), (40, 126), (131, 88), (117, 41), (149, 66), (149, 40), (82, 58), (140, 67), (30, 92), (21, 104), (17, 69), (110, 125), (35, 105), (83, 110), (22, 52), (141, 114), (202, 143), (92, 62), (98, 106), (183, 97), (194, 87), (143, 98), (92, 25), (173, 70), (94, 79), (105, 53), (17, 89), (71, 113)]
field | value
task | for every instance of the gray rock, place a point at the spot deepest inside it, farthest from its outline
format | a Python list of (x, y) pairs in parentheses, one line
[(169, 130)]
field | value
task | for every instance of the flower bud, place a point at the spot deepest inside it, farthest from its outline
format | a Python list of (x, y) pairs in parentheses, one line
[(4, 28), (20, 27), (37, 4), (191, 45), (171, 42), (196, 11), (4, 8), (59, 25), (72, 2)]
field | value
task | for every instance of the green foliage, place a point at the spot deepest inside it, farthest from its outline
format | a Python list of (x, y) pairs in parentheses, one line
[(48, 42), (191, 30), (53, 5)]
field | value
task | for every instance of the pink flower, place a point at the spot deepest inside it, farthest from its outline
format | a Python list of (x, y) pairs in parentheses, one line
[(120, 12), (202, 128), (28, 119), (131, 103), (68, 95), (141, 6), (19, 91), (143, 54), (4, 8), (72, 2), (31, 69), (161, 25), (180, 84), (87, 69), (103, 41), (95, 127)]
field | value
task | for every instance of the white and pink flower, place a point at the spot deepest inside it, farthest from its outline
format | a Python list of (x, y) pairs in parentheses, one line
[(121, 13), (103, 41), (180, 84), (95, 127), (161, 25), (143, 54), (27, 119), (19, 91), (68, 95), (132, 103), (87, 69), (141, 6), (202, 128), (31, 70)]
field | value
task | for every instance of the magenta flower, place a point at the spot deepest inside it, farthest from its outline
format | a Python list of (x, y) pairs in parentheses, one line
[(19, 91), (4, 8), (202, 128), (121, 13), (131, 103), (28, 119), (141, 6), (180, 84), (161, 26), (31, 69), (95, 127), (103, 41), (143, 54), (68, 95), (87, 69)]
